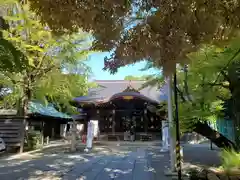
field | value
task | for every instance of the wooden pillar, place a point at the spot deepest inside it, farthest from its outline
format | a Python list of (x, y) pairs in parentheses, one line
[(42, 133), (99, 128), (145, 121), (142, 124), (52, 131), (113, 122)]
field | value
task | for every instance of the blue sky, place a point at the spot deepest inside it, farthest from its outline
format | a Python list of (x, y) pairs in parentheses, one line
[(96, 62)]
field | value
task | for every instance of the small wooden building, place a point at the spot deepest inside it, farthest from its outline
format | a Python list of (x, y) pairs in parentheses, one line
[(45, 119), (120, 105)]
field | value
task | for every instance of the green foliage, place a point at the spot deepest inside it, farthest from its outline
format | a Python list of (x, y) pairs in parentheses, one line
[(163, 32), (45, 57), (32, 140), (156, 79), (12, 60), (230, 160), (60, 88), (205, 86)]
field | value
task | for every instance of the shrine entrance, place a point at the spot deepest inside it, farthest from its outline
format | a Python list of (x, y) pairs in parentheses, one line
[(128, 112)]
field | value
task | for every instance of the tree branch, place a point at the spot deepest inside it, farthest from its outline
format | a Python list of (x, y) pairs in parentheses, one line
[(186, 82), (229, 62), (181, 95), (221, 98), (217, 84), (225, 76), (42, 72)]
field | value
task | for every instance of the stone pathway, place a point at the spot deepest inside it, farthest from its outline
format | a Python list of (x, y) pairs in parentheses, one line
[(112, 163)]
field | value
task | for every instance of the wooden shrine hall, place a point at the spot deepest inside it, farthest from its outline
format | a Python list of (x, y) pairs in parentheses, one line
[(123, 106)]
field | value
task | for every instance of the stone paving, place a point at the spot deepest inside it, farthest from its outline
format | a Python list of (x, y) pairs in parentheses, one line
[(106, 163), (109, 161)]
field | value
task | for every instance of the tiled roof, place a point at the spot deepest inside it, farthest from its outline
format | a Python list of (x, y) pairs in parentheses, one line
[(108, 88)]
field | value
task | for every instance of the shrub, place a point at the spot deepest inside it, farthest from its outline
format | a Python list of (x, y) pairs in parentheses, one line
[(230, 160), (33, 140)]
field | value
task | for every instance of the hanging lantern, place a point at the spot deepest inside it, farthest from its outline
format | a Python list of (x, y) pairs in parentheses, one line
[(97, 111), (113, 111), (145, 111)]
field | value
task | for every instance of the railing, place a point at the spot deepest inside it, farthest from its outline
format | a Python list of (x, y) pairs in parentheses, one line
[(225, 127)]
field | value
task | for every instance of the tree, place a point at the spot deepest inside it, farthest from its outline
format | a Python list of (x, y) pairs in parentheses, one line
[(203, 91), (44, 58), (203, 87), (160, 31), (59, 89)]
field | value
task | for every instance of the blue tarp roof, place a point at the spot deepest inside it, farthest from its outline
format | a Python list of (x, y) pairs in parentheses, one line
[(46, 110), (36, 107)]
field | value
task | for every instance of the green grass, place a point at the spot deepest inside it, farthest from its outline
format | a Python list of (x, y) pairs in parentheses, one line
[(230, 160)]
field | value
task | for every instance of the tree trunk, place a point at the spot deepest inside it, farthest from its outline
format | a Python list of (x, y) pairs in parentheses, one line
[(234, 84), (218, 139), (23, 108)]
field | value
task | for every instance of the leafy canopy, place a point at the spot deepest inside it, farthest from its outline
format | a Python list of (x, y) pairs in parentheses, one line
[(205, 84), (45, 57), (160, 31)]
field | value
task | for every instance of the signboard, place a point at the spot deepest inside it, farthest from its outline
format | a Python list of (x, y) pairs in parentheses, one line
[(90, 135), (127, 97), (95, 127)]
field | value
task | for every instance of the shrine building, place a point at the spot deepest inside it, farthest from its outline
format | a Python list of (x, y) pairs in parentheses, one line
[(119, 104)]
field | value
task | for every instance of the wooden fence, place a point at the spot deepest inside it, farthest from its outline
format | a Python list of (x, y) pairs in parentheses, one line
[(12, 130)]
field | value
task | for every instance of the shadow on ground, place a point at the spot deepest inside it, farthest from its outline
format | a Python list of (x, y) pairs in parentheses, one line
[(52, 163), (201, 154), (105, 163), (138, 161)]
